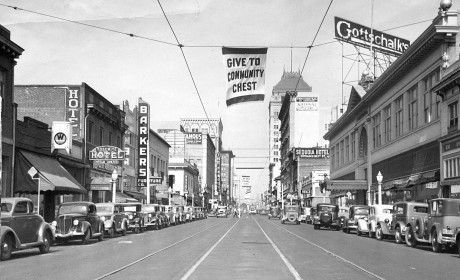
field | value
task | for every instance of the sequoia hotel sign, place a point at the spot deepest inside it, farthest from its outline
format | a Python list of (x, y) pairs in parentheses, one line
[(143, 133), (363, 36)]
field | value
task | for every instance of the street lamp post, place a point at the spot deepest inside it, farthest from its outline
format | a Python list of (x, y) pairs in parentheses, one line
[(379, 180), (114, 185)]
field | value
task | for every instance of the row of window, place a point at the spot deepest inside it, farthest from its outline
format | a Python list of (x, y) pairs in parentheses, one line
[(391, 122), (156, 163), (102, 140)]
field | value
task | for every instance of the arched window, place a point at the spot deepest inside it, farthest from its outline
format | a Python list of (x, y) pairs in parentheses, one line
[(363, 144)]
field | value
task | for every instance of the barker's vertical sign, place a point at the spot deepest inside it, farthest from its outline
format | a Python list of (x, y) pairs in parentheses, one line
[(72, 104), (245, 74), (143, 157)]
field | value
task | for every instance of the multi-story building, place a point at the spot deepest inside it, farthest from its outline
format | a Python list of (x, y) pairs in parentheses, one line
[(226, 176), (185, 182), (301, 147), (159, 164), (392, 125), (95, 121), (9, 52), (214, 128)]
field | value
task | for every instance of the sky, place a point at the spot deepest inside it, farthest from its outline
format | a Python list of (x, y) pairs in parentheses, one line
[(124, 68)]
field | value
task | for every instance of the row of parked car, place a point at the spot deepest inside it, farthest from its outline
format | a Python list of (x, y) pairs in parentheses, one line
[(22, 228), (436, 223)]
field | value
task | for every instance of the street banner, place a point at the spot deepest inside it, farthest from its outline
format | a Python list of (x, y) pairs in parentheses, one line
[(245, 74)]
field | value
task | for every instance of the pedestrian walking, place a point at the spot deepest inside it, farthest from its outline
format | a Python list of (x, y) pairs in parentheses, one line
[(235, 213)]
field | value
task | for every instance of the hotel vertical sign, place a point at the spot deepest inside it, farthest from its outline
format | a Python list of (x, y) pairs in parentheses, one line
[(72, 103), (143, 156)]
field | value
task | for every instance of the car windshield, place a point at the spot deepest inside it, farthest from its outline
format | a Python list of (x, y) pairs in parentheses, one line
[(326, 208), (67, 209), (6, 207), (129, 208), (291, 208), (104, 208), (149, 208), (361, 211)]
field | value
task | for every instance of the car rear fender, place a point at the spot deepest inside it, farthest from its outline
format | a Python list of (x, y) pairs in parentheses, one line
[(7, 231)]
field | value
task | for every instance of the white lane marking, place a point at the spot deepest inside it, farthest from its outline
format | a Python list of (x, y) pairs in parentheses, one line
[(152, 254), (285, 260), (332, 254), (195, 266), (127, 242)]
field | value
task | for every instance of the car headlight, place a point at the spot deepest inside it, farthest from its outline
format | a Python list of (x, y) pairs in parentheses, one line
[(54, 223), (387, 221), (150, 215), (75, 222), (103, 218), (130, 217), (136, 219)]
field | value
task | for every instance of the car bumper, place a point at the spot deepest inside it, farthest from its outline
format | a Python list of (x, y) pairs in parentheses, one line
[(448, 240), (70, 234)]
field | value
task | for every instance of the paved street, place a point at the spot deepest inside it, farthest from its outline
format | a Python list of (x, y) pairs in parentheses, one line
[(252, 247)]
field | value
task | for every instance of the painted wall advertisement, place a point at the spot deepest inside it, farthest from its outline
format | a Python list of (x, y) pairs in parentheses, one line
[(245, 74), (312, 152), (193, 137), (143, 153), (306, 103)]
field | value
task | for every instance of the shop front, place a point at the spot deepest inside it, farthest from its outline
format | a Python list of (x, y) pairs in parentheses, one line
[(450, 165)]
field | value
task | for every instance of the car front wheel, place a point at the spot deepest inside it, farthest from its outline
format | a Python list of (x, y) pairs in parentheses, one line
[(7, 248), (398, 236), (410, 237), (86, 237), (101, 231), (378, 233), (111, 232), (45, 247), (434, 242)]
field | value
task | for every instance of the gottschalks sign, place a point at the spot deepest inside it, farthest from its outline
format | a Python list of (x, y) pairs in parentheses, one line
[(363, 36)]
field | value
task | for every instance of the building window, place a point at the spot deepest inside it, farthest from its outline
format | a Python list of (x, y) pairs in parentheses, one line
[(275, 146), (387, 128), (276, 126), (377, 137), (342, 154), (333, 157), (110, 138), (101, 136), (353, 145), (337, 155), (2, 88), (89, 133), (275, 153), (413, 112), (399, 116), (347, 149), (453, 116), (363, 144), (118, 141)]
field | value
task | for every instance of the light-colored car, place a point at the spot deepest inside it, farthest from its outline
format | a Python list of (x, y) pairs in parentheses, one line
[(304, 212), (152, 216), (115, 221), (22, 228), (378, 213), (222, 211), (291, 213), (356, 213), (188, 213), (252, 210)]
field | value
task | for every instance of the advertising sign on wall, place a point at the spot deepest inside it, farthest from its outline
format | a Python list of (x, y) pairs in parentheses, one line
[(363, 36), (245, 74), (72, 103), (306, 104), (246, 181), (143, 134), (312, 152), (193, 137), (61, 136)]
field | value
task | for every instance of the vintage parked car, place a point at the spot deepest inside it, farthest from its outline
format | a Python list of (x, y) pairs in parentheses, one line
[(438, 227), (188, 213), (356, 213), (22, 228), (171, 212), (135, 216), (115, 221), (291, 213), (309, 218), (181, 213), (252, 210), (151, 213), (222, 211), (326, 216), (274, 212), (163, 217), (78, 220), (378, 213), (263, 212), (403, 213), (343, 215)]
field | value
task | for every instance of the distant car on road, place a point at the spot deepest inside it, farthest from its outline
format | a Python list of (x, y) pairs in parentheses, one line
[(327, 216), (252, 210), (22, 228), (291, 213), (304, 212), (222, 211), (263, 212)]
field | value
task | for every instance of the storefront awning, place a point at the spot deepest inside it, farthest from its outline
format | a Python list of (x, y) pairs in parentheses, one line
[(408, 181), (451, 182), (136, 195), (346, 185), (53, 176)]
